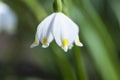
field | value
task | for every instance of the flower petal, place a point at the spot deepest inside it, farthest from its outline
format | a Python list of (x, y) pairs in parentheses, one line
[(44, 31), (70, 46), (46, 41), (44, 28), (36, 41), (77, 42), (65, 49), (65, 44), (64, 28)]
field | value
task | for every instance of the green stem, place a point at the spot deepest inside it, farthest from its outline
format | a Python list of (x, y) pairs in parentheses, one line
[(79, 65), (57, 6)]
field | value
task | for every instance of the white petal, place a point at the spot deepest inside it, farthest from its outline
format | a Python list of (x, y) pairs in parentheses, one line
[(45, 46), (65, 49), (77, 42), (70, 46), (44, 28), (36, 41), (47, 41), (64, 28), (44, 31), (33, 45)]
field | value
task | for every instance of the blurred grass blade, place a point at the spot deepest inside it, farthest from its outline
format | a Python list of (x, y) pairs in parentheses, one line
[(99, 53), (115, 4), (99, 42), (81, 74), (63, 64), (37, 9)]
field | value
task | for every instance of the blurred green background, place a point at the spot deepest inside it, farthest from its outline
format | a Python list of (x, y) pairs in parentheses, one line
[(98, 59)]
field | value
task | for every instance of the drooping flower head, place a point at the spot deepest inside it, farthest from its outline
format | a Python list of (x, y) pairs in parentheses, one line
[(59, 27), (8, 19)]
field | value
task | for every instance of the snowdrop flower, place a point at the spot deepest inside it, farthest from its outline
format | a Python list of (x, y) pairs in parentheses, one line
[(8, 19), (60, 28)]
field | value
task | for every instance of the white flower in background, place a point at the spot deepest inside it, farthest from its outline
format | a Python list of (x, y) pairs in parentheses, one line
[(8, 19), (59, 27)]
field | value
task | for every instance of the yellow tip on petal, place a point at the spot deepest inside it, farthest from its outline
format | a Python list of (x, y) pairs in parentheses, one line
[(35, 42), (44, 41), (65, 43), (79, 43)]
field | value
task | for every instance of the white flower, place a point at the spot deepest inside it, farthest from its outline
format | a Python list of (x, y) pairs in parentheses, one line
[(59, 27), (8, 19)]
